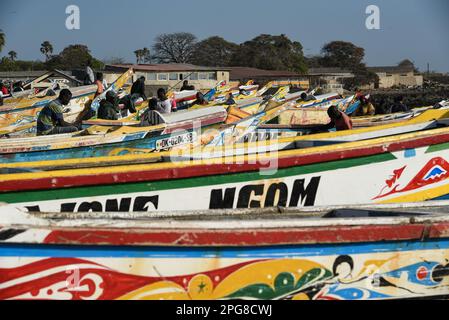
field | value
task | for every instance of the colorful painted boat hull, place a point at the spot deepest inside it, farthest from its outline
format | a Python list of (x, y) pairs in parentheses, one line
[(283, 258), (406, 168), (22, 120)]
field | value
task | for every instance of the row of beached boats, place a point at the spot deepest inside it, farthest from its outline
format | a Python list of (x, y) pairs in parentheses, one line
[(242, 197)]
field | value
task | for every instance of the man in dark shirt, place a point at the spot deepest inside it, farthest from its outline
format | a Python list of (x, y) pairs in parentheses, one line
[(51, 120), (138, 88), (109, 108)]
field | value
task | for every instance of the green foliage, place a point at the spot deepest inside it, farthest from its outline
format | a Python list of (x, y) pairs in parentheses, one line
[(74, 57), (12, 55), (271, 53), (7, 64), (143, 55), (342, 54), (214, 52), (47, 49), (348, 56)]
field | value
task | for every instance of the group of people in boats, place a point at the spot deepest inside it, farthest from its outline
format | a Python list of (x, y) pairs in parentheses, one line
[(51, 120)]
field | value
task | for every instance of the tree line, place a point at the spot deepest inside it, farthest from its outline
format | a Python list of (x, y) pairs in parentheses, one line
[(269, 52)]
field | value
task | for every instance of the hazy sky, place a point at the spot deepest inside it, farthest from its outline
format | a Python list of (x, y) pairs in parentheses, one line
[(415, 29)]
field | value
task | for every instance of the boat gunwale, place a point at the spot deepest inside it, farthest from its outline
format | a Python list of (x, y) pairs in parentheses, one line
[(196, 168)]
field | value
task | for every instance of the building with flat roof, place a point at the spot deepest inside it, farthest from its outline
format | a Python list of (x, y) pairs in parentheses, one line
[(397, 76), (172, 75)]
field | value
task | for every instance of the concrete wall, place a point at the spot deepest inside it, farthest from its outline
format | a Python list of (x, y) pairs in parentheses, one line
[(405, 79)]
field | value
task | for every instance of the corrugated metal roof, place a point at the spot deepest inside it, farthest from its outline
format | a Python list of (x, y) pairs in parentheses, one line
[(173, 67)]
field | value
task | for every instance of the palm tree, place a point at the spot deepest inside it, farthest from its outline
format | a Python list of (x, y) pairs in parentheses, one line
[(146, 56), (2, 40), (139, 55), (47, 49), (12, 55)]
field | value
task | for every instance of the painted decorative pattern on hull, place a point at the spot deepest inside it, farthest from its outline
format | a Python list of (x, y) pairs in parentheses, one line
[(383, 270)]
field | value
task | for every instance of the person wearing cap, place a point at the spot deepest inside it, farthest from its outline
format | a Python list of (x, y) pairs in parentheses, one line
[(51, 120), (109, 107)]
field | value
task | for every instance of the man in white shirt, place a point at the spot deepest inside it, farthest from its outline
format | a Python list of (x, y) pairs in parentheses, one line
[(164, 104)]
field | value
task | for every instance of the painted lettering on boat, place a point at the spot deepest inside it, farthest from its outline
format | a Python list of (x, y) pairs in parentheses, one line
[(275, 194), (111, 205)]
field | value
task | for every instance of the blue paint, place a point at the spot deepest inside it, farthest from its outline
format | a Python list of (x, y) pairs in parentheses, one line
[(272, 252), (354, 293), (135, 141), (410, 153), (209, 95), (411, 272), (352, 108), (434, 173), (443, 197)]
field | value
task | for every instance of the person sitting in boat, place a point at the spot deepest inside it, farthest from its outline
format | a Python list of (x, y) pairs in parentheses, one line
[(200, 100), (138, 89), (149, 117), (4, 89), (229, 99), (399, 105), (164, 104), (99, 83), (306, 97), (51, 119), (339, 120), (365, 108), (18, 87), (109, 107), (89, 78), (186, 86)]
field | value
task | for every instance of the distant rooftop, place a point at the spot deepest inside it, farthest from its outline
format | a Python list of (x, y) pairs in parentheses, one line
[(328, 71), (237, 73), (392, 69), (172, 67)]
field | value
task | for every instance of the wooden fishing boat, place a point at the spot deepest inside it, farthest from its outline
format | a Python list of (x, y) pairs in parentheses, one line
[(408, 167), (22, 119), (358, 253), (13, 117), (108, 145), (169, 131)]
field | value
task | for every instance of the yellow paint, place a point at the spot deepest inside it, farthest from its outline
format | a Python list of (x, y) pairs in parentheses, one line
[(201, 286), (420, 195), (181, 164), (163, 290)]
